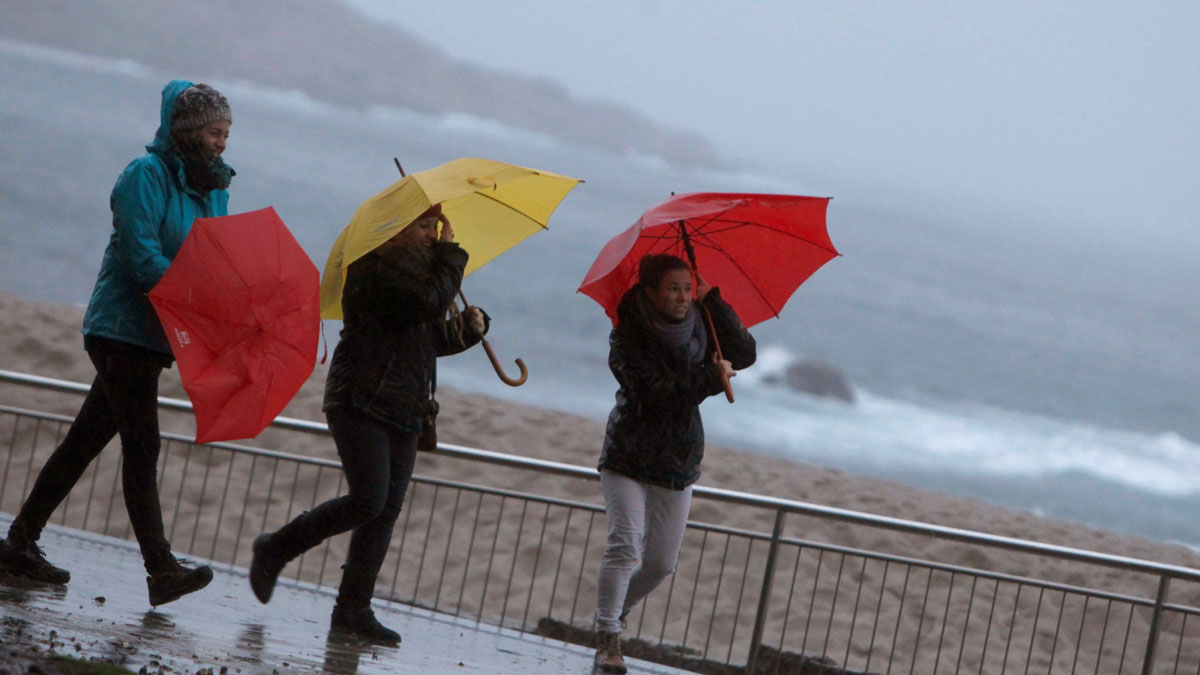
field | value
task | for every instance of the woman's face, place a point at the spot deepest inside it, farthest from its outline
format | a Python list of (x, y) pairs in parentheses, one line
[(673, 296), (420, 234), (212, 137)]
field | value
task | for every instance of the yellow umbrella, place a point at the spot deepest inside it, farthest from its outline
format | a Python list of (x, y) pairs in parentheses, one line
[(493, 206)]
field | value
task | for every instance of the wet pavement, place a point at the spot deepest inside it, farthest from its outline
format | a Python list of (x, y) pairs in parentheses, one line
[(104, 614)]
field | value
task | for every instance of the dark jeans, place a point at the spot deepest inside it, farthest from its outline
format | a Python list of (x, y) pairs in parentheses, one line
[(378, 462), (123, 400)]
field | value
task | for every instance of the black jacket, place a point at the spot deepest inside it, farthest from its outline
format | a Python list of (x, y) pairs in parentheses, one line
[(394, 329), (654, 431)]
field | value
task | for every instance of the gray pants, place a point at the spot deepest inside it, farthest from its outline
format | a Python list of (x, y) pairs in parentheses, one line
[(645, 530)]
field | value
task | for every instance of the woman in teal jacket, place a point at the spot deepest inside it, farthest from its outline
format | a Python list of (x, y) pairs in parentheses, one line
[(180, 178)]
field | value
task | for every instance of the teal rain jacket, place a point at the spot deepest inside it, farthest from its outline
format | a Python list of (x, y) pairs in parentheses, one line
[(153, 209)]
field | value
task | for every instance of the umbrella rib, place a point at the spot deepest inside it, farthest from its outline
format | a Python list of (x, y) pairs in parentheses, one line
[(703, 238), (741, 269), (513, 209), (229, 259), (653, 250), (736, 224), (698, 229)]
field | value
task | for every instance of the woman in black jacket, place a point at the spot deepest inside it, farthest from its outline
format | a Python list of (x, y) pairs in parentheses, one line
[(666, 365), (376, 396)]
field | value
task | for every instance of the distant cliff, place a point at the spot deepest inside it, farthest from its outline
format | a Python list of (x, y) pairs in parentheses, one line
[(335, 54)]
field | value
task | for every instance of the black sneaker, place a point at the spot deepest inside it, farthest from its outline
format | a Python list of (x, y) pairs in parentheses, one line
[(26, 560), (265, 567), (176, 581), (362, 624)]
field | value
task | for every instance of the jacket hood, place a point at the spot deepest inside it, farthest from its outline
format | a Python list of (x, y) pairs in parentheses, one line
[(162, 138), (629, 309)]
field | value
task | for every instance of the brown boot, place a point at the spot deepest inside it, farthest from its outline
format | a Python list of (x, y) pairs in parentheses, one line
[(608, 653)]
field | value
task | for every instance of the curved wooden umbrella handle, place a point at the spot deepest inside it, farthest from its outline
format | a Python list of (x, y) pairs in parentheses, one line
[(487, 347), (512, 382)]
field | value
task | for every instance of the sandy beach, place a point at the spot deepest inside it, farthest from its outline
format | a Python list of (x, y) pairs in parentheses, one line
[(44, 339)]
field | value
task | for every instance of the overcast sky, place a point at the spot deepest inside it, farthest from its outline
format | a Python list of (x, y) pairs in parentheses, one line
[(1077, 115)]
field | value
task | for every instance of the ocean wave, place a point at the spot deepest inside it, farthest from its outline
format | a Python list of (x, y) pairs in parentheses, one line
[(970, 439), (772, 360), (490, 128), (75, 60), (294, 101)]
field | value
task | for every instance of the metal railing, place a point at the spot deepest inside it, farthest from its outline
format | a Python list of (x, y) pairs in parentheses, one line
[(757, 598)]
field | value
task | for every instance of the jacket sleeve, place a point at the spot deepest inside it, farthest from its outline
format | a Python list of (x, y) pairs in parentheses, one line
[(447, 346), (653, 383), (139, 207), (737, 344)]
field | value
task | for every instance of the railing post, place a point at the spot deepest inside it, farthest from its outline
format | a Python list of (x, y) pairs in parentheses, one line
[(1164, 583), (764, 597)]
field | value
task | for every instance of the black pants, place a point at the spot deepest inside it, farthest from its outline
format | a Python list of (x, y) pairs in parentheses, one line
[(378, 462), (123, 400)]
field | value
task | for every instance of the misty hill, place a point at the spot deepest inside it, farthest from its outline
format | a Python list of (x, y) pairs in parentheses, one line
[(335, 54)]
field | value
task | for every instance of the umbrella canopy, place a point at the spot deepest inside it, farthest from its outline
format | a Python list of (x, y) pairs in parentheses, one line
[(758, 248), (239, 306), (492, 206)]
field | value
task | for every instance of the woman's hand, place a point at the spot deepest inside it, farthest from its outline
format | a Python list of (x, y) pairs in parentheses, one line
[(474, 318), (447, 234), (702, 287), (726, 366)]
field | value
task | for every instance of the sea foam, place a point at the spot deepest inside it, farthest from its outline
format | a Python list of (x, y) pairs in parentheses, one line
[(946, 437)]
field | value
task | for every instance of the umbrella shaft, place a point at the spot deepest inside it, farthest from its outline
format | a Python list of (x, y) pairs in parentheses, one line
[(712, 330)]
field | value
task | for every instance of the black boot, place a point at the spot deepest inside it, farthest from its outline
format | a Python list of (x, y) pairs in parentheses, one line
[(265, 567), (25, 559), (361, 623), (175, 580)]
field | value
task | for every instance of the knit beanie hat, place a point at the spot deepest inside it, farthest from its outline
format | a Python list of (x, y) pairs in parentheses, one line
[(197, 106)]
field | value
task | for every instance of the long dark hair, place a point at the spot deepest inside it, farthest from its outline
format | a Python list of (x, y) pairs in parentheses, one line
[(653, 267)]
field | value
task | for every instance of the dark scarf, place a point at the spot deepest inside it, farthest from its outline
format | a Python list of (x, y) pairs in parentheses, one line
[(687, 339), (204, 172)]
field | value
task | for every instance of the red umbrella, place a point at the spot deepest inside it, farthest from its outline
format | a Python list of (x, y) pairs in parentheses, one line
[(758, 248), (239, 306)]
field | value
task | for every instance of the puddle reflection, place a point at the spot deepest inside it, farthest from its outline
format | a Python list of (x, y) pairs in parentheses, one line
[(250, 643), (343, 653), (21, 591)]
